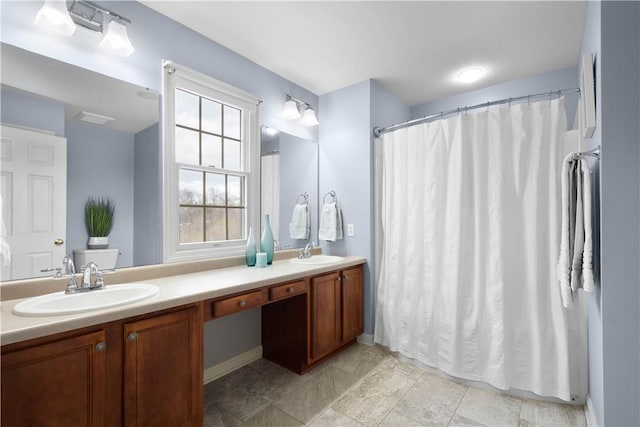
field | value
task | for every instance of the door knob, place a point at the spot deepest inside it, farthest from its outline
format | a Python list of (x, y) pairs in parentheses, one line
[(58, 242)]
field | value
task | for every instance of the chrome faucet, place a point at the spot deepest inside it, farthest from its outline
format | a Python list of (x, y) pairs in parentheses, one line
[(92, 268), (306, 253)]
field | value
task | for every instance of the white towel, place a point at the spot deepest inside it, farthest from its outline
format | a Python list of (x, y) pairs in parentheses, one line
[(575, 264), (331, 222), (300, 222)]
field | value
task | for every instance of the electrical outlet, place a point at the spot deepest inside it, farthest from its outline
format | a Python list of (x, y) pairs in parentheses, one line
[(351, 231)]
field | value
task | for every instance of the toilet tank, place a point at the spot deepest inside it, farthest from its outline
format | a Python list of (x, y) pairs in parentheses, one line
[(105, 258)]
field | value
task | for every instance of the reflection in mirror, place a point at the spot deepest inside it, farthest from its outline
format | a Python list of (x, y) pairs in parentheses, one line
[(109, 130), (289, 169)]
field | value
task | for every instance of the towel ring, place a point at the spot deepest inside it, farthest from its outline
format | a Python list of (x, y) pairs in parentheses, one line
[(305, 198), (331, 193)]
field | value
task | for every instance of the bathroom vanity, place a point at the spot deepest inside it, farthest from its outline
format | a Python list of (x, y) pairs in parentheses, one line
[(143, 364)]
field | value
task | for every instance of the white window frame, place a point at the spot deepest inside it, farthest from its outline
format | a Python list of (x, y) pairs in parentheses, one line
[(175, 76)]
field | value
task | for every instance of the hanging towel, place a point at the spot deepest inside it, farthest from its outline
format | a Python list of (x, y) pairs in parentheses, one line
[(575, 264), (300, 222), (331, 222)]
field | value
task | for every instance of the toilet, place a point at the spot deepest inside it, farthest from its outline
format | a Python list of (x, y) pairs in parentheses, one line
[(104, 258)]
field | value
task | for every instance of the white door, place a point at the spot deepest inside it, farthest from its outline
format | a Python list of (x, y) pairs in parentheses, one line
[(34, 200)]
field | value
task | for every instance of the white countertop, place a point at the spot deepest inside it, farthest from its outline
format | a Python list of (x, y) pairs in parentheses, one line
[(173, 291)]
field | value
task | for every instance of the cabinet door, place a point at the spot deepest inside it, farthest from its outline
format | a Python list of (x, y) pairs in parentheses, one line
[(57, 384), (163, 370), (352, 302), (326, 325)]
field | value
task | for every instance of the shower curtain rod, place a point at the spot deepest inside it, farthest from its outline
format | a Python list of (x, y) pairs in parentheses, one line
[(377, 131)]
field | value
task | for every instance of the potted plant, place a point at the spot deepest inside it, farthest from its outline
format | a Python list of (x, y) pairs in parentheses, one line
[(98, 216)]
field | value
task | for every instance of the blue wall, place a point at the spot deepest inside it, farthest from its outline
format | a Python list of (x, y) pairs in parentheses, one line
[(346, 159), (26, 109), (147, 197), (105, 155), (618, 65)]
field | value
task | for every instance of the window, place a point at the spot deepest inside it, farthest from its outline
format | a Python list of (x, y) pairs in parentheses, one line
[(211, 166)]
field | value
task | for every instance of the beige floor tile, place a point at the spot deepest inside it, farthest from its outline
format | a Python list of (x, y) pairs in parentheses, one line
[(395, 419), (306, 401), (432, 400), (242, 402), (539, 413), (272, 417), (242, 376), (331, 418), (359, 359), (274, 381), (405, 368), (216, 417), (458, 421), (371, 400), (490, 408)]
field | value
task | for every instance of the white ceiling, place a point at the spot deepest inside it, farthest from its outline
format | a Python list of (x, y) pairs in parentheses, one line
[(414, 49)]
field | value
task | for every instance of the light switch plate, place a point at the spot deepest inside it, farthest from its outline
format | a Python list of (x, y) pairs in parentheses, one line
[(351, 231)]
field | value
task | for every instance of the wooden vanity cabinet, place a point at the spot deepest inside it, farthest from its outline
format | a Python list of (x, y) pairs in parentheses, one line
[(60, 383), (105, 376), (163, 370), (303, 330)]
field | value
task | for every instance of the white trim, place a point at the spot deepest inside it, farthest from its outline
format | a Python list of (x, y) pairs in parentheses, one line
[(589, 413), (366, 339), (177, 75), (230, 365)]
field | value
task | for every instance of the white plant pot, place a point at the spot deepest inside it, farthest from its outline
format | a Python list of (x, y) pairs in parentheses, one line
[(98, 242)]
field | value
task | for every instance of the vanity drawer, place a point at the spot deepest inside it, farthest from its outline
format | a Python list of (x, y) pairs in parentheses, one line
[(287, 290), (237, 304)]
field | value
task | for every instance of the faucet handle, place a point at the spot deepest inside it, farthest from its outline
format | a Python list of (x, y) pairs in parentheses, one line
[(57, 272)]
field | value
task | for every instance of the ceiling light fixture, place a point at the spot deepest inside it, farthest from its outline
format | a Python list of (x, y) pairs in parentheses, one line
[(56, 16), (470, 75), (291, 111)]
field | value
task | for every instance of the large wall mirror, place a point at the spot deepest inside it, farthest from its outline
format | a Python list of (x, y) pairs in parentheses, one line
[(45, 99), (289, 168), (112, 150)]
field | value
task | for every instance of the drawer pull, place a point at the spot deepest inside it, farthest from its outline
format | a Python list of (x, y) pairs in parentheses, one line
[(291, 290), (242, 303), (100, 347), (132, 337)]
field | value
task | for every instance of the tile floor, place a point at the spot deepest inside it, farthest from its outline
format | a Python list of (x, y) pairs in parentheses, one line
[(367, 386)]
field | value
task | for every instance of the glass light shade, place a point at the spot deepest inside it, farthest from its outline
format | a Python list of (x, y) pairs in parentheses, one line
[(309, 117), (290, 110), (470, 75), (115, 39), (54, 16)]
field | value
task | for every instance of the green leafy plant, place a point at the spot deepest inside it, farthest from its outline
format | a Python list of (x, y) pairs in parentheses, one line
[(98, 216)]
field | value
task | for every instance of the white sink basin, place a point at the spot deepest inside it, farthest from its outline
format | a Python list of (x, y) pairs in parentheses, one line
[(317, 260), (59, 303)]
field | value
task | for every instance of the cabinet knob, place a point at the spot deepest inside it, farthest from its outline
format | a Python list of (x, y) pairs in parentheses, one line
[(242, 303), (100, 347), (345, 277), (339, 279), (132, 336), (291, 290)]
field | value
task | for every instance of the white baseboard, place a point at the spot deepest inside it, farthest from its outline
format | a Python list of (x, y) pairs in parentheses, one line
[(590, 414), (366, 339), (230, 365)]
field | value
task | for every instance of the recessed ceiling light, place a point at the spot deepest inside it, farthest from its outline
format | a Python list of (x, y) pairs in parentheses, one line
[(470, 75)]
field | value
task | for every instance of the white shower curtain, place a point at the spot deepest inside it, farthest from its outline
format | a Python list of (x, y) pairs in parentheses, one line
[(470, 221)]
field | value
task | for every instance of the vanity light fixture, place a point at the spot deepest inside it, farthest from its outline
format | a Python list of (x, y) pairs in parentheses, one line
[(115, 39), (57, 16), (309, 117), (292, 112), (470, 75), (54, 16)]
